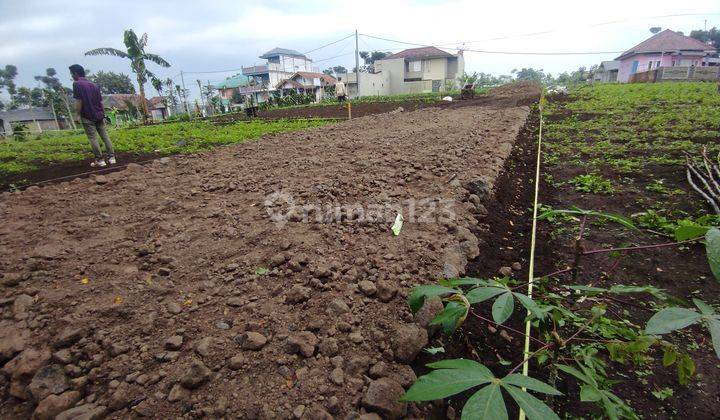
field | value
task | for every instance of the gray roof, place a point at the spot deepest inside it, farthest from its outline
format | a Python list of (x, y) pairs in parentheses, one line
[(610, 65), (282, 51), (27, 114)]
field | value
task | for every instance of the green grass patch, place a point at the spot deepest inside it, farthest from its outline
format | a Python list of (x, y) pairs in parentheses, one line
[(182, 137), (615, 124)]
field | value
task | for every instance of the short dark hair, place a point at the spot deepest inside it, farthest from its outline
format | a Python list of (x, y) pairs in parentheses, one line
[(77, 69), (339, 79)]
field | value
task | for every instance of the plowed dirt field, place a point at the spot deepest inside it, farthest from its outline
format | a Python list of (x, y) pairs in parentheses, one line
[(255, 281)]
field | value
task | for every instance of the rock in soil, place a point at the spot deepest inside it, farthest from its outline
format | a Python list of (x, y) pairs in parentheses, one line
[(408, 340), (84, 412), (236, 362), (303, 343), (196, 375), (53, 405), (367, 287), (430, 309), (174, 343), (251, 340), (48, 380), (69, 336), (382, 397)]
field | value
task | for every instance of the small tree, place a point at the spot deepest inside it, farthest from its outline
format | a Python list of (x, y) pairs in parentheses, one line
[(56, 94), (111, 83), (370, 58)]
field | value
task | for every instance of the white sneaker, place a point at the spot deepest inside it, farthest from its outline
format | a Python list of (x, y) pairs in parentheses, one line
[(112, 161), (98, 163)]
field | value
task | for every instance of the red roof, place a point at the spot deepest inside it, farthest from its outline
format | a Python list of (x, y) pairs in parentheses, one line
[(422, 52), (667, 41)]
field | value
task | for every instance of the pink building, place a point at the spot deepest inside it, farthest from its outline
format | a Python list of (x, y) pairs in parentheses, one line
[(664, 49)]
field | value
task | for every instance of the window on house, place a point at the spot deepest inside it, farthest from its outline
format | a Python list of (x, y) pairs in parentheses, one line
[(657, 64), (650, 65), (427, 66), (415, 66)]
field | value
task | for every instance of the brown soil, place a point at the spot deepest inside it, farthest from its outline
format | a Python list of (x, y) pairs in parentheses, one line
[(514, 94), (113, 267), (58, 172)]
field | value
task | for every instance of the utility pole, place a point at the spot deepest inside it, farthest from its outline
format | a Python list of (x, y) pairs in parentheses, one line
[(202, 100), (357, 64), (187, 107)]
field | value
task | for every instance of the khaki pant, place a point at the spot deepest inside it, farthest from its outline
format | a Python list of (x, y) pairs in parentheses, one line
[(91, 127)]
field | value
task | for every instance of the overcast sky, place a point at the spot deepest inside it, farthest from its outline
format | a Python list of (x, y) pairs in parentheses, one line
[(199, 36)]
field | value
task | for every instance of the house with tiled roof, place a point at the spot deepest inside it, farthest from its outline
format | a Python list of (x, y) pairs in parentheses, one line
[(414, 70), (280, 64), (229, 86), (307, 82), (664, 49)]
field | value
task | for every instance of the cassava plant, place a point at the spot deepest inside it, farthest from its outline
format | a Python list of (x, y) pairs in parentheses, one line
[(577, 331)]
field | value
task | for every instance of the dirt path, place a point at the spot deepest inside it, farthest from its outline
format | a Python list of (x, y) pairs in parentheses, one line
[(144, 292)]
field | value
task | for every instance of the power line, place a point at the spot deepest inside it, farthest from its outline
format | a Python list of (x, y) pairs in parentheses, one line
[(499, 52), (332, 58), (530, 34), (327, 45)]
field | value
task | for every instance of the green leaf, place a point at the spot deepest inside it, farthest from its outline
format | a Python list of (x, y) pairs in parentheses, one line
[(451, 317), (503, 307), (465, 281), (685, 369), (464, 364), (622, 289), (261, 271), (530, 305), (487, 403), (420, 293), (533, 407), (530, 383), (712, 247), (704, 307), (576, 373), (669, 356), (443, 383), (714, 327), (589, 393), (579, 212), (671, 319), (622, 351), (685, 232), (480, 294), (590, 289)]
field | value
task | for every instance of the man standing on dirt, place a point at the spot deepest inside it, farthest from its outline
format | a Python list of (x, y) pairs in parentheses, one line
[(89, 111), (340, 92)]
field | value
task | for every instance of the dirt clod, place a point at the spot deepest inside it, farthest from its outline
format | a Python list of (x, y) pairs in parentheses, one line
[(408, 340), (382, 397), (251, 340)]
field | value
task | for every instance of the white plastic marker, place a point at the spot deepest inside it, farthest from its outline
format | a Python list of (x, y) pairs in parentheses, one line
[(397, 226)]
